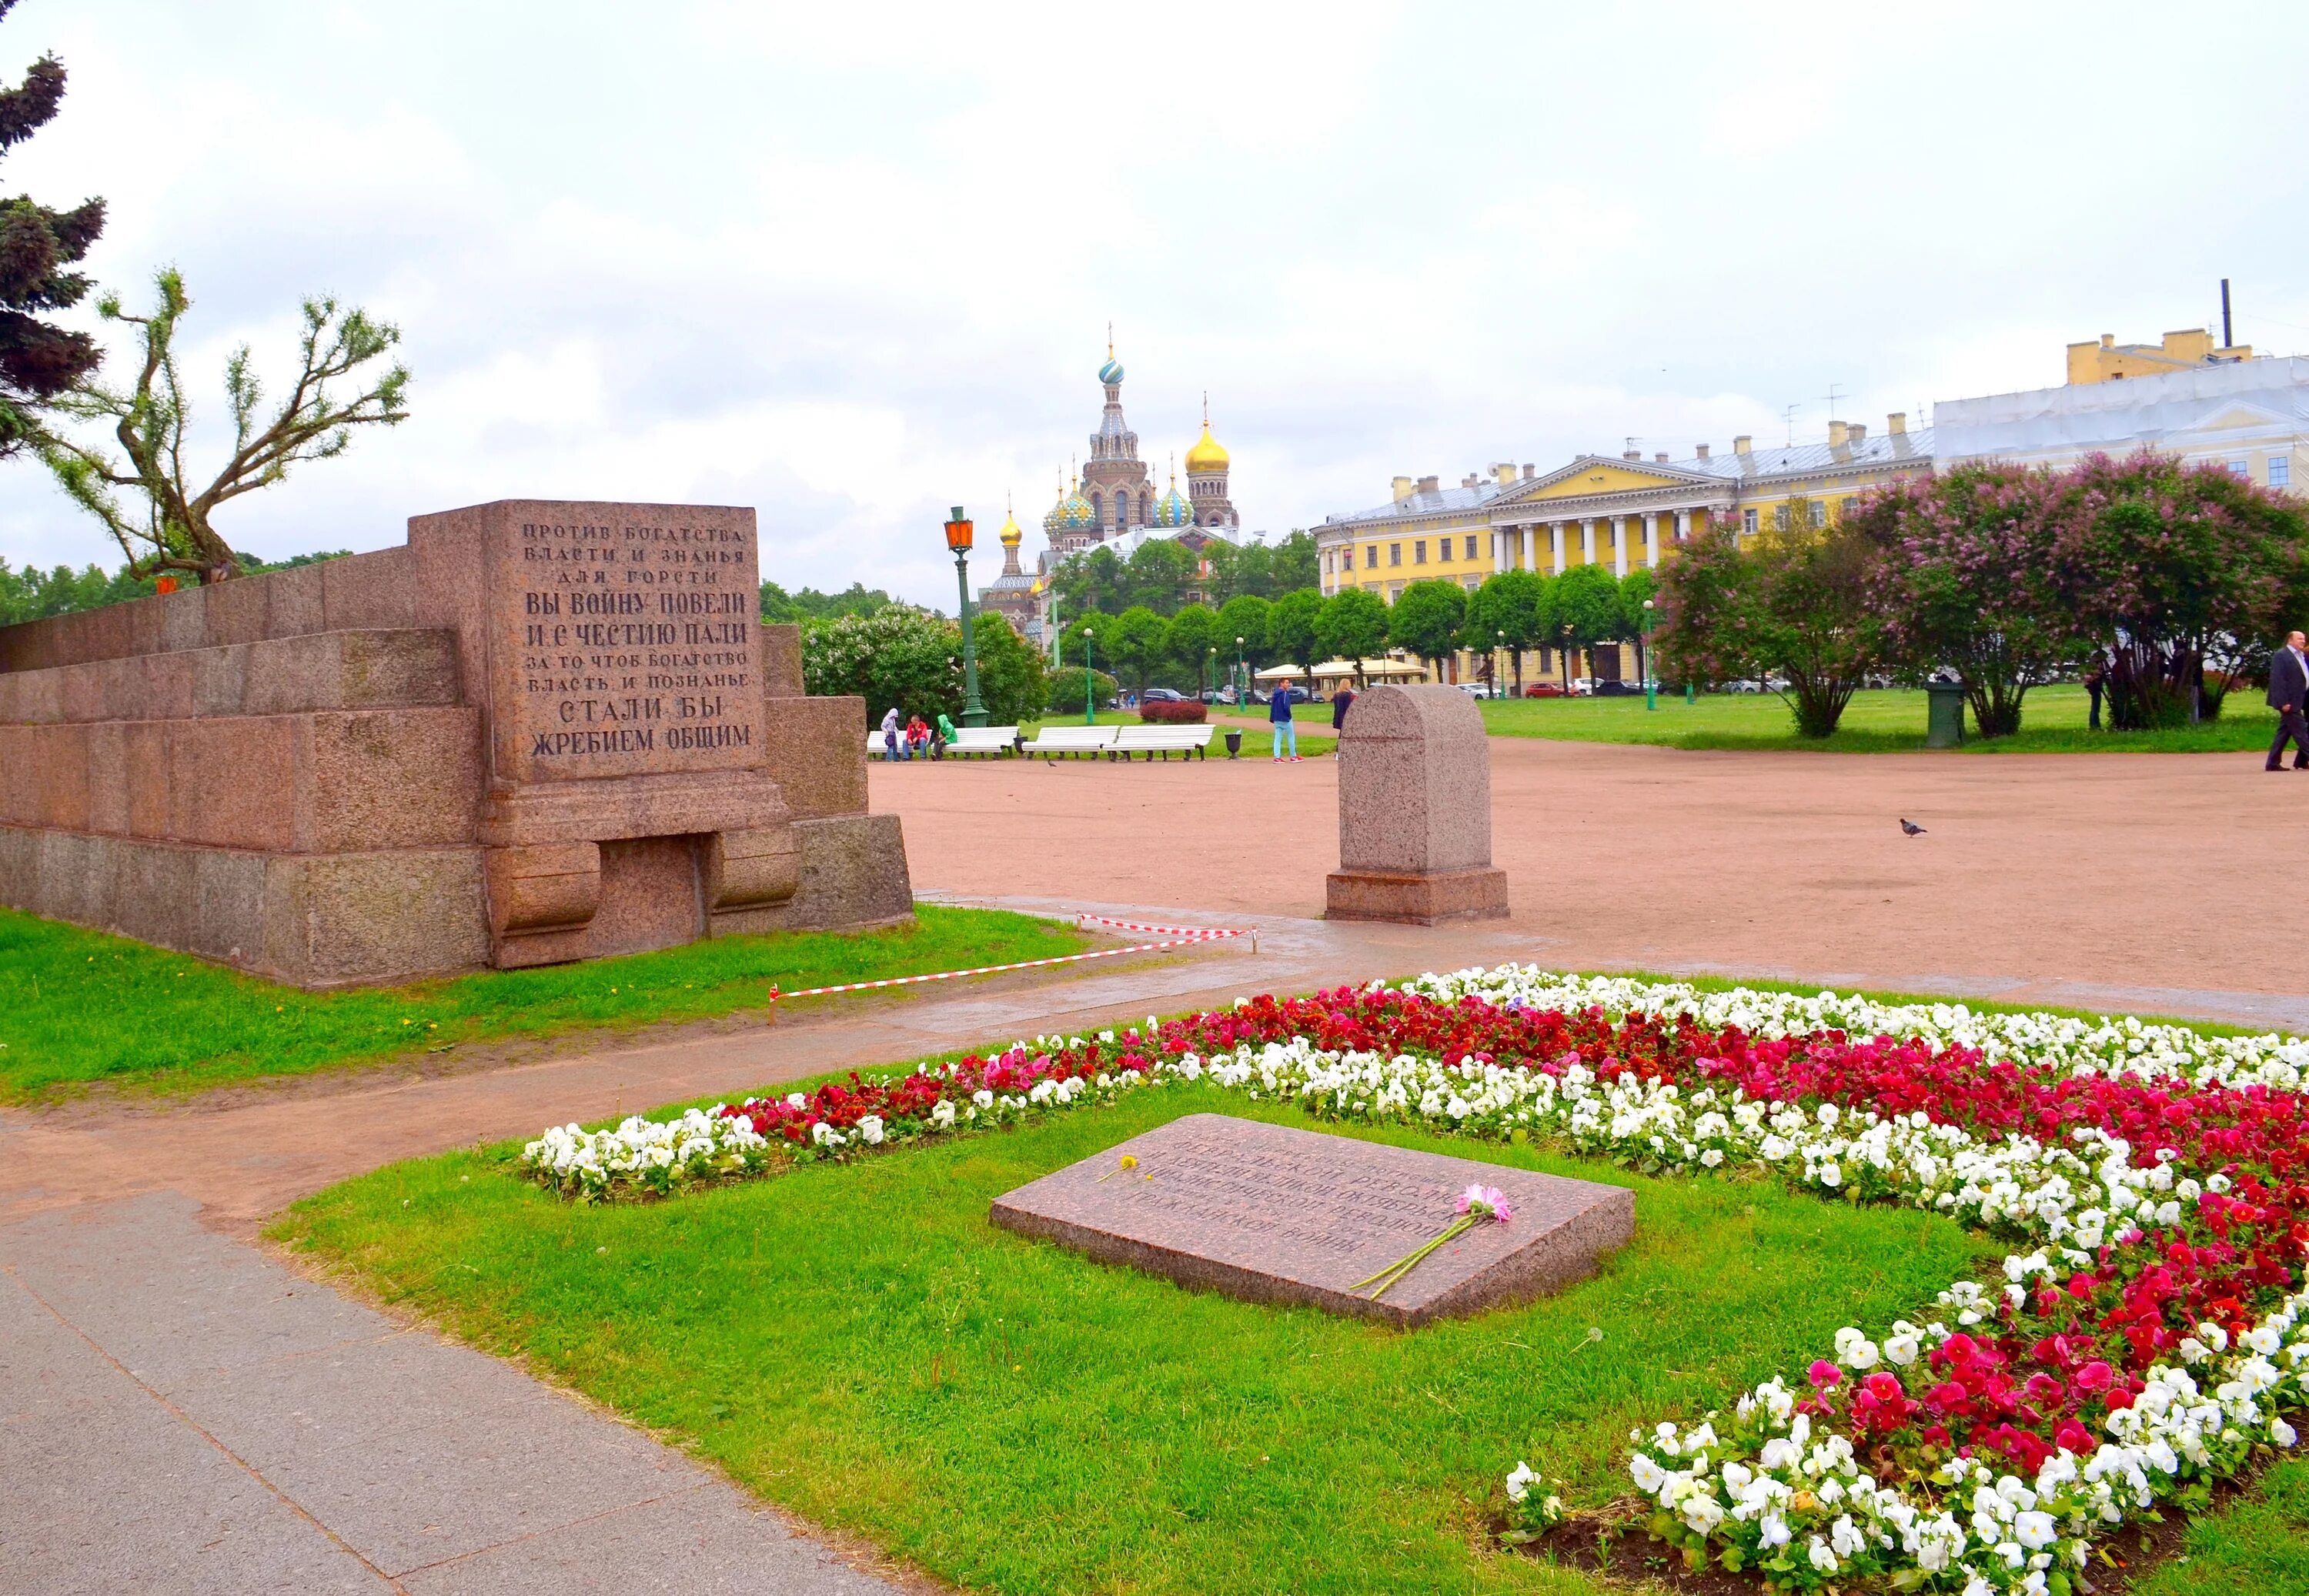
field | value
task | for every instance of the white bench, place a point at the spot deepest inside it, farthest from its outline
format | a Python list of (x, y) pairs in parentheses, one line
[(1185, 741), (1072, 739), (981, 739)]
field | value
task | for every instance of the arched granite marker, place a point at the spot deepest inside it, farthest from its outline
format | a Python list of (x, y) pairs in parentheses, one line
[(1415, 811)]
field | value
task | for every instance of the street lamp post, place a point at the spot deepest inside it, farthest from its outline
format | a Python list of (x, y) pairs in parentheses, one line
[(1651, 670), (1241, 677), (1210, 662), (1090, 677), (1496, 649), (957, 538)]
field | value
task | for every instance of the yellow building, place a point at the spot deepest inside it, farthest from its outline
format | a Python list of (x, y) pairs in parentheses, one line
[(2109, 361), (1627, 513)]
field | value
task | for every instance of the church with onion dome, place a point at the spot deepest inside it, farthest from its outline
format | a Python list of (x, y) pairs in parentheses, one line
[(1113, 503)]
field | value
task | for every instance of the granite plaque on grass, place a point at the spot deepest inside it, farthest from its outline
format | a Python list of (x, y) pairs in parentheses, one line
[(1273, 1214)]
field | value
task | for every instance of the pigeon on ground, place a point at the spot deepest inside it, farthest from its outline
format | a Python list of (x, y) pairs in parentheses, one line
[(1912, 828)]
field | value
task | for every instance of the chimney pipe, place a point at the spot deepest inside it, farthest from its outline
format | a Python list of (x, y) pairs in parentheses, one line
[(1632, 455), (1702, 451), (1837, 432), (1401, 488), (2228, 342), (1858, 431), (1897, 423), (1529, 470), (1741, 444), (1661, 457)]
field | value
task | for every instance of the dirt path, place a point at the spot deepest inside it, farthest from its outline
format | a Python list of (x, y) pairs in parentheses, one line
[(2092, 880)]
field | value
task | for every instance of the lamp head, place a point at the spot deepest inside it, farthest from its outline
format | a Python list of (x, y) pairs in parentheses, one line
[(1647, 604), (957, 531)]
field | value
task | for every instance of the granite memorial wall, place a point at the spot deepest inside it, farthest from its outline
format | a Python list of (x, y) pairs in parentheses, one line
[(537, 731)]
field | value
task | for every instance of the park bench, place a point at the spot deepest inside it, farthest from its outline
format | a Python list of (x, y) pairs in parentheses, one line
[(1150, 741), (981, 739), (1072, 739)]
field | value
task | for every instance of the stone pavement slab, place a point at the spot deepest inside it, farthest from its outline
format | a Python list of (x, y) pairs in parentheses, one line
[(178, 1413)]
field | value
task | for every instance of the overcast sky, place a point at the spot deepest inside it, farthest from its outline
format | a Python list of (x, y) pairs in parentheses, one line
[(852, 263)]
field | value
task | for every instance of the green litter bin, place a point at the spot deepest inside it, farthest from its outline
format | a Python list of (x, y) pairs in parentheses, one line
[(1944, 727)]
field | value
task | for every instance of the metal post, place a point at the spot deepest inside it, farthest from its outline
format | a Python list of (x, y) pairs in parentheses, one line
[(973, 712), (1651, 671), (1090, 677)]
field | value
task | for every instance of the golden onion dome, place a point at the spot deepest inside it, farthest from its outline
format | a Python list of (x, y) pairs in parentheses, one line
[(1207, 455), (1011, 535)]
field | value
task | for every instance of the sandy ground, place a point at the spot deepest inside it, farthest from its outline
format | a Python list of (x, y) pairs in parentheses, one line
[(2153, 880)]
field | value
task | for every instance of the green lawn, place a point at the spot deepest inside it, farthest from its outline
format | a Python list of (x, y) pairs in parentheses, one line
[(2053, 721), (2258, 1546), (91, 1008), (859, 1344)]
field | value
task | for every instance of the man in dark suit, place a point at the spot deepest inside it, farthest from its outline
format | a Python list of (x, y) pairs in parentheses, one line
[(2289, 687)]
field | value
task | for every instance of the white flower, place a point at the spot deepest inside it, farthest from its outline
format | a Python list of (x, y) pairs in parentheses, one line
[(1520, 1481), (871, 1128)]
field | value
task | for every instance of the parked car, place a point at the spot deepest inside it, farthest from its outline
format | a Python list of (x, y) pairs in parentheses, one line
[(1162, 696), (1583, 687), (1298, 695), (1545, 690), (1612, 688)]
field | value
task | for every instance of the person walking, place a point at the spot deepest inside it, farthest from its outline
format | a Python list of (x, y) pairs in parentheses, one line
[(2289, 687), (1278, 718), (1340, 700), (891, 735), (2096, 683)]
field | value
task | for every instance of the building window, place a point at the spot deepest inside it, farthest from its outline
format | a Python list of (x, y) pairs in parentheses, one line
[(1471, 545), (1370, 557), (2240, 468), (1819, 513), (1394, 554), (1748, 522), (2280, 470), (1780, 517), (1470, 582), (1419, 552), (1394, 591)]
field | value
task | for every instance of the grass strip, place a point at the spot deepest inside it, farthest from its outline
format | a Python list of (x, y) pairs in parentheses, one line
[(858, 1344), (97, 1009)]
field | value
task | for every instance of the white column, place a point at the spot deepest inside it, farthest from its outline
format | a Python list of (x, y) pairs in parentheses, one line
[(1586, 539), (1651, 540), (1501, 559), (1620, 528), (1524, 537), (1558, 535), (1682, 525)]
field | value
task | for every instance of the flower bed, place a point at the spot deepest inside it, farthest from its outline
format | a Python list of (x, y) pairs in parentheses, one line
[(2142, 1341)]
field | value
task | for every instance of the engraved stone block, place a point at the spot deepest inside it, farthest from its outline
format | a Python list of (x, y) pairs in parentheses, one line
[(1273, 1214)]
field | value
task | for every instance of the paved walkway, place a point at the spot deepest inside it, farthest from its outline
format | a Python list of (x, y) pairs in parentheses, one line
[(180, 1414)]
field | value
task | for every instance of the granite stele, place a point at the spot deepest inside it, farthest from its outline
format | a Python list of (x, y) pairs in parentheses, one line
[(537, 731), (1272, 1214)]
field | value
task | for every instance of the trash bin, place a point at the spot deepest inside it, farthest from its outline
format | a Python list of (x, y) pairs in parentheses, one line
[(1235, 741), (1944, 727)]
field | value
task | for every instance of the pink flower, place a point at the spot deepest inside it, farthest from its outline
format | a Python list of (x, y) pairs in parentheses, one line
[(1824, 1373), (1485, 1202), (2095, 1376)]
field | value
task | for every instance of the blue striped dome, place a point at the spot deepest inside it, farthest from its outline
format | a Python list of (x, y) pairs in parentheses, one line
[(1112, 372)]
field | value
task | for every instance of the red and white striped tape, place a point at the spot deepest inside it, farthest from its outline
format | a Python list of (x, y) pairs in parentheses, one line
[(1177, 937)]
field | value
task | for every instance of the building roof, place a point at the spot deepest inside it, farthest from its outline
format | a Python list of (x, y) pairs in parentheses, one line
[(1439, 501), (2197, 406)]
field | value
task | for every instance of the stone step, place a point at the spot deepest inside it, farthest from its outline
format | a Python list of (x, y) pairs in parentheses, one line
[(350, 669)]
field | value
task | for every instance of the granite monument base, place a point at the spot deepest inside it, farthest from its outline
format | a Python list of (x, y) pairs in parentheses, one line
[(1416, 898), (1268, 1213)]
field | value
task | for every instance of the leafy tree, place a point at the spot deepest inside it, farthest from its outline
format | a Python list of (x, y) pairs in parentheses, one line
[(1095, 579), (1245, 616), (1189, 640), (1425, 620), (1294, 566), (2186, 575), (1157, 574), (781, 608), (1290, 629), (1353, 626), (1135, 644), (1965, 580), (33, 594), (1084, 639), (901, 656), (1788, 607), (1587, 609), (1010, 674), (39, 360), (1505, 613), (1063, 690), (1635, 588), (169, 528)]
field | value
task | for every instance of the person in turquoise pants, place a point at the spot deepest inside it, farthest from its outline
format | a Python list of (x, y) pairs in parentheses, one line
[(1278, 717)]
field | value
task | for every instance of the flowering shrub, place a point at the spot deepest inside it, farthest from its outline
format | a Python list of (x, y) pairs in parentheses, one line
[(1162, 711), (2151, 1181)]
